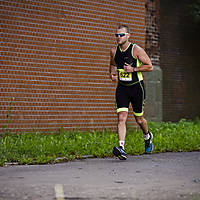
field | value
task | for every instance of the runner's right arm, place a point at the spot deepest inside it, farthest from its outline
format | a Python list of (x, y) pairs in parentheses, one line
[(113, 72)]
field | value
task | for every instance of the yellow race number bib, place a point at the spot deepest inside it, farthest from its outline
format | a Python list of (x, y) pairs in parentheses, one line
[(125, 76)]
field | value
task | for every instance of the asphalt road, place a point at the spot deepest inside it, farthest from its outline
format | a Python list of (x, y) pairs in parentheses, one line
[(164, 176)]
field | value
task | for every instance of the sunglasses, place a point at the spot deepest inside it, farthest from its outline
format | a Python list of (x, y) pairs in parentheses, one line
[(120, 34)]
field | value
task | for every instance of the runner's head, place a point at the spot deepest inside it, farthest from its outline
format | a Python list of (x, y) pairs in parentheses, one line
[(122, 34)]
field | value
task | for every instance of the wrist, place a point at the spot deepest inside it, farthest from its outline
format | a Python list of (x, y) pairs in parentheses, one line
[(135, 69)]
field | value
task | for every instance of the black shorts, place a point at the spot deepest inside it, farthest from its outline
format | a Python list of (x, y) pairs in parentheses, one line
[(134, 94)]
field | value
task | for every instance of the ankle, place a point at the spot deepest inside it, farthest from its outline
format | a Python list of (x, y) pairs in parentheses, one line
[(147, 136), (121, 143)]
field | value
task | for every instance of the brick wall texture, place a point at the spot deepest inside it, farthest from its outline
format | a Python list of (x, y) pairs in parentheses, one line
[(153, 80), (179, 49), (152, 25), (55, 61)]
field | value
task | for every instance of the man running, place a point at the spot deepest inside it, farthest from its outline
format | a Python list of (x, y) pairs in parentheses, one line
[(127, 62)]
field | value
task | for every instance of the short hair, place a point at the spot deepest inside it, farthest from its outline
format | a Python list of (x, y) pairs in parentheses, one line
[(124, 26)]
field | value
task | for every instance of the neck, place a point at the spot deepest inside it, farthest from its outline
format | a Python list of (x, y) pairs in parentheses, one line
[(124, 45)]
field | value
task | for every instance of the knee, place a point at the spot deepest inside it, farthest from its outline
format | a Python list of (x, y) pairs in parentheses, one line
[(122, 118), (139, 120)]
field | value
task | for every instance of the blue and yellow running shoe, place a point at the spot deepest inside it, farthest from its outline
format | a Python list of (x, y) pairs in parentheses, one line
[(120, 153), (149, 144)]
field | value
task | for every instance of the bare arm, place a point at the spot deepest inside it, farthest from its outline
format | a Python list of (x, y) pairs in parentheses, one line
[(140, 54), (112, 69)]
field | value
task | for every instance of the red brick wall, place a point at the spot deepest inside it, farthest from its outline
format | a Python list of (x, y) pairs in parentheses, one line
[(152, 42), (55, 60), (180, 47), (153, 80)]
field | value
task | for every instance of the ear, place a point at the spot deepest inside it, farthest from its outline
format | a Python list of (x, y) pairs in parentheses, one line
[(129, 35)]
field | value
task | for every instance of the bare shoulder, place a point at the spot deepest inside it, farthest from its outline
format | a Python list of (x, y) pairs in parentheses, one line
[(112, 51), (137, 48), (138, 51)]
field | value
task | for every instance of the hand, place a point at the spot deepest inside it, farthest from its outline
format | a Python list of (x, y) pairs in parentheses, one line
[(128, 68), (113, 77)]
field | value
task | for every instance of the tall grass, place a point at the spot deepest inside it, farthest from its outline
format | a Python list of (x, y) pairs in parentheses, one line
[(38, 148)]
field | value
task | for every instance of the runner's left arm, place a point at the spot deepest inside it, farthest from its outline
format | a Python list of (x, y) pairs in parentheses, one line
[(140, 54)]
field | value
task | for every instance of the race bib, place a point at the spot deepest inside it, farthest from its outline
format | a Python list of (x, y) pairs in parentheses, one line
[(125, 76)]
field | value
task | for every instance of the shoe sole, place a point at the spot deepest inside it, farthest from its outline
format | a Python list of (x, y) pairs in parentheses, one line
[(149, 152), (118, 154)]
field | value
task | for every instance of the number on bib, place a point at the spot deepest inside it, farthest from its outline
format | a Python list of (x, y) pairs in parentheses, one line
[(125, 76)]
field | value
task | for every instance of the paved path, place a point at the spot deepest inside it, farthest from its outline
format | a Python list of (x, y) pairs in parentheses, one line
[(165, 176)]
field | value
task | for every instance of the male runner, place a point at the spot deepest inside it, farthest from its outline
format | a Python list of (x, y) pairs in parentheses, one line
[(130, 61)]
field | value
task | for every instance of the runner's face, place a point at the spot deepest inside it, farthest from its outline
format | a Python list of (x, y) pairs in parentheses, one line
[(123, 39)]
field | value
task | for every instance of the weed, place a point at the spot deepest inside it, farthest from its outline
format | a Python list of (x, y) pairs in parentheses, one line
[(8, 116), (38, 148)]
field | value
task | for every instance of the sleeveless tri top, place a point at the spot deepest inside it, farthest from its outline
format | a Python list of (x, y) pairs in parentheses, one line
[(126, 56)]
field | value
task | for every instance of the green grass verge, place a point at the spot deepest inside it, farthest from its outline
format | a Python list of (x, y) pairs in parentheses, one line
[(38, 148)]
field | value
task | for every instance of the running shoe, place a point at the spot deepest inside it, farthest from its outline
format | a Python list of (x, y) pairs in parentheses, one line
[(149, 144), (120, 153)]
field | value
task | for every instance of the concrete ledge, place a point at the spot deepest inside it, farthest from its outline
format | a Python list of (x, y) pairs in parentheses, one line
[(153, 85)]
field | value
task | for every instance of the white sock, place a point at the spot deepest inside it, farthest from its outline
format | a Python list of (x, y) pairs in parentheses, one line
[(121, 143), (147, 136)]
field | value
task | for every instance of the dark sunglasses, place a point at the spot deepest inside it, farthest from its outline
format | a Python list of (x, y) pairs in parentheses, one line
[(120, 34)]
